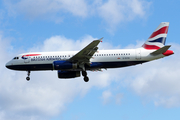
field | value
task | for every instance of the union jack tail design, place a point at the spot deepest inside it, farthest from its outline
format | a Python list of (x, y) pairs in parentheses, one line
[(158, 37)]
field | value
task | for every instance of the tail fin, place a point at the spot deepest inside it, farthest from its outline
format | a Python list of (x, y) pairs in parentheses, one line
[(158, 37)]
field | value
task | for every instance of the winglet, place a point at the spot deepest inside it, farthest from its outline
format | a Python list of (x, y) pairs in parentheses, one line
[(161, 50), (101, 39)]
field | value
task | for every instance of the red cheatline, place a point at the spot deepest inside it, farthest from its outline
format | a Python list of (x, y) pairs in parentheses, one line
[(31, 55)]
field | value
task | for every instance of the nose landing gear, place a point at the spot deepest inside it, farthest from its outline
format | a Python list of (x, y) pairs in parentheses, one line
[(28, 78), (84, 73)]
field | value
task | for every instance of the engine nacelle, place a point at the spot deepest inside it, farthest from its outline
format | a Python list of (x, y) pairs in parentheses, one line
[(68, 74), (63, 65), (96, 65)]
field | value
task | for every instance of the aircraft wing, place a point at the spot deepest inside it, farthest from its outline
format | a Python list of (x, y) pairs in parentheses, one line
[(86, 54)]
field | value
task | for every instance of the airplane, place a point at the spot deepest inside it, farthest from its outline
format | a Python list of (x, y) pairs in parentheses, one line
[(71, 64)]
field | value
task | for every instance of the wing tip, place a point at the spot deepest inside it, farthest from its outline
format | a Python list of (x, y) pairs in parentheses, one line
[(101, 39)]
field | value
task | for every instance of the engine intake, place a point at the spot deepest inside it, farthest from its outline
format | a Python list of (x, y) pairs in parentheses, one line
[(63, 65), (68, 74)]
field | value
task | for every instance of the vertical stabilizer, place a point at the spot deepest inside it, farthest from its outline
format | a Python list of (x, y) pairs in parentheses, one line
[(158, 37)]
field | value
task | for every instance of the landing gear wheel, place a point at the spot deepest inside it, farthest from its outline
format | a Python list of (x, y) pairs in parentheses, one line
[(84, 73), (27, 78), (86, 79)]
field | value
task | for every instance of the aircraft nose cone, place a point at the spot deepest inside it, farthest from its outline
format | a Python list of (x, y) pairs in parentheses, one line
[(8, 65)]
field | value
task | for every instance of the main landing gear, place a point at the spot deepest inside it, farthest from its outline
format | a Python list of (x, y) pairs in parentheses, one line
[(84, 73), (28, 78)]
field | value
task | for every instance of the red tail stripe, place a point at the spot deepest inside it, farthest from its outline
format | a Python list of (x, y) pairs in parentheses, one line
[(163, 30), (150, 47)]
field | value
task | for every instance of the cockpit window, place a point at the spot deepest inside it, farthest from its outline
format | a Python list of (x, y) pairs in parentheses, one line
[(15, 58)]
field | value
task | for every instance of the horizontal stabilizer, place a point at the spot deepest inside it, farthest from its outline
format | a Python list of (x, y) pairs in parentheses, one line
[(161, 50)]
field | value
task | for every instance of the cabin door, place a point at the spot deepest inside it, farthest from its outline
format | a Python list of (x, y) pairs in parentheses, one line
[(138, 54)]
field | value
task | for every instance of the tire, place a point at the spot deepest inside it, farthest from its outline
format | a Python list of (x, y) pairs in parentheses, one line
[(86, 79), (27, 78)]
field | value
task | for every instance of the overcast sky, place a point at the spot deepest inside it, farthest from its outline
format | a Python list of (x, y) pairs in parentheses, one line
[(142, 92)]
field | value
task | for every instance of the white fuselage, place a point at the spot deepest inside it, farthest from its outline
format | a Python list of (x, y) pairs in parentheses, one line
[(44, 60)]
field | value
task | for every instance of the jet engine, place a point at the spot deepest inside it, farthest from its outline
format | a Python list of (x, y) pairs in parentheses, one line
[(68, 74), (63, 65)]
